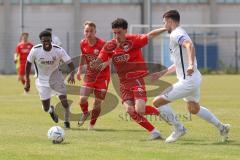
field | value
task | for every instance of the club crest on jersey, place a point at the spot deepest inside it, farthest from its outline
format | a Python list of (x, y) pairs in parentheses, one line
[(140, 91), (126, 46)]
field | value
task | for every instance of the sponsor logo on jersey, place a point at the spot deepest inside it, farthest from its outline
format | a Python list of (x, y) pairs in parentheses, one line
[(126, 46), (121, 58)]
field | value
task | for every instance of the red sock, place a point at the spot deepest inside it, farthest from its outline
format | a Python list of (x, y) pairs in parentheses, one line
[(141, 121), (84, 107), (95, 114), (149, 110)]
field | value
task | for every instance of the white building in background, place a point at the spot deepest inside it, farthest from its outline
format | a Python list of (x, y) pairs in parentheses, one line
[(66, 17)]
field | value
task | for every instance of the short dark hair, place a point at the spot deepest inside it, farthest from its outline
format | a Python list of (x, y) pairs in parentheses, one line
[(45, 34), (120, 23), (49, 29), (173, 14)]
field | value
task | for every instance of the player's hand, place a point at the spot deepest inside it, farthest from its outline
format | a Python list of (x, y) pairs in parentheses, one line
[(27, 86), (71, 79), (190, 70), (79, 76)]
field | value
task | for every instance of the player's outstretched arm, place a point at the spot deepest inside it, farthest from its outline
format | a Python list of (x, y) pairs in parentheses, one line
[(191, 55), (157, 75), (27, 71), (154, 33), (71, 79)]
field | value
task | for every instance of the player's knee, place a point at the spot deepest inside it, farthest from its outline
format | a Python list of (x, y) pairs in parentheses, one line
[(156, 102), (140, 110), (83, 100), (130, 110), (193, 107)]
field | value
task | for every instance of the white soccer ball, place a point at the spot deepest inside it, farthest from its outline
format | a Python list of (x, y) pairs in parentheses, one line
[(56, 134)]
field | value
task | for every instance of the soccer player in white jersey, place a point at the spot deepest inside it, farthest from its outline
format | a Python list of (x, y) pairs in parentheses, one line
[(46, 57), (183, 56)]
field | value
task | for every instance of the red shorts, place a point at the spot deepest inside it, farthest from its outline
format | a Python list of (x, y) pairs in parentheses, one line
[(133, 89), (100, 87), (21, 70)]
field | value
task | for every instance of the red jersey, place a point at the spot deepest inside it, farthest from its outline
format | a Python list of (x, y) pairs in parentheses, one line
[(90, 53), (127, 58), (22, 51)]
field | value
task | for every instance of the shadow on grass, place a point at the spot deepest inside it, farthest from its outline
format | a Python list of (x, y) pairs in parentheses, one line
[(202, 142), (107, 130)]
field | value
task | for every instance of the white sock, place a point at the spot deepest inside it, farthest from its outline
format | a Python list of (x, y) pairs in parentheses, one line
[(169, 116), (204, 113)]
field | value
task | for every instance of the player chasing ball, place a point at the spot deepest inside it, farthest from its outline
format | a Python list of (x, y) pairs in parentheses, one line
[(46, 57)]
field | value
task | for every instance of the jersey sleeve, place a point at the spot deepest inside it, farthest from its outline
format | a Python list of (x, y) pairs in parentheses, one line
[(31, 57), (64, 56), (140, 40), (180, 37)]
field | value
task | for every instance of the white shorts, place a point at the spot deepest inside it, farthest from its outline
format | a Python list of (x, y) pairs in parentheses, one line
[(188, 89), (55, 90)]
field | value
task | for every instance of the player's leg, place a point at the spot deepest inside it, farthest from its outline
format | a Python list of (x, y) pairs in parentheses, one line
[(162, 103), (66, 107), (84, 94), (21, 73), (204, 113), (100, 91), (45, 95), (95, 113), (139, 92), (139, 111)]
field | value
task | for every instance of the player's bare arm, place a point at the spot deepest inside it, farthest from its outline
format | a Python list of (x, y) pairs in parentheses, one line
[(81, 63), (154, 33), (157, 75), (191, 55), (71, 79), (27, 83), (15, 57)]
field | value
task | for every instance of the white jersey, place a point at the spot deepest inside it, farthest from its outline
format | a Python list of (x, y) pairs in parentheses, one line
[(178, 53), (47, 62)]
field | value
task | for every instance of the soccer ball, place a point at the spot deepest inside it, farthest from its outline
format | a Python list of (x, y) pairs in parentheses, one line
[(56, 134)]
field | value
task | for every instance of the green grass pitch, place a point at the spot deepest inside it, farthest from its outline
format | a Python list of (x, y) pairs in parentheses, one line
[(23, 128)]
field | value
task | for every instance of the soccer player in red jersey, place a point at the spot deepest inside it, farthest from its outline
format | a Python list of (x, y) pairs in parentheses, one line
[(22, 50), (96, 83), (125, 51)]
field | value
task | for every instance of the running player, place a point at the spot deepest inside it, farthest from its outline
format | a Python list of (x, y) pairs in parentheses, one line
[(183, 55), (22, 50), (93, 82), (125, 51), (46, 57)]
